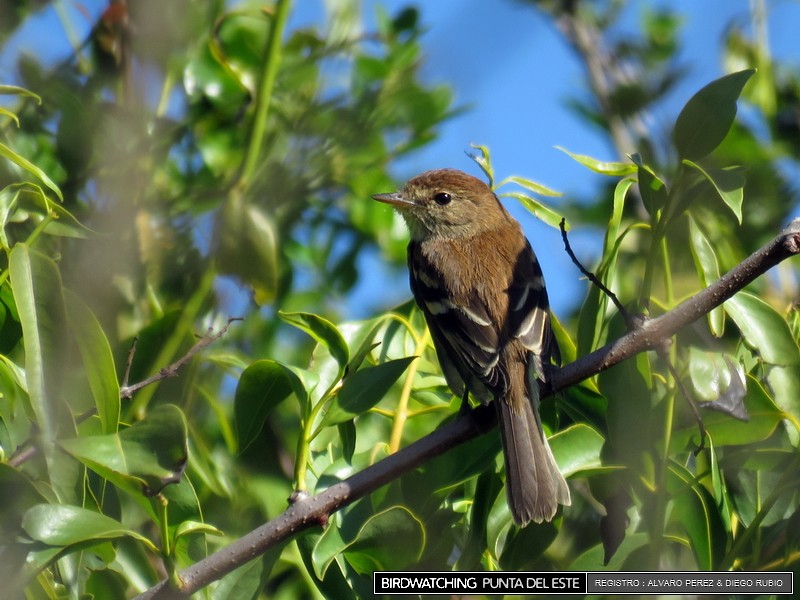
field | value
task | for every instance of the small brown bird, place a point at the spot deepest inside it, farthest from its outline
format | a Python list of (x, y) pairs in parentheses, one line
[(477, 280)]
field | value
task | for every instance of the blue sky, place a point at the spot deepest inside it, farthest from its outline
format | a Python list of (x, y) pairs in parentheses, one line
[(507, 62)]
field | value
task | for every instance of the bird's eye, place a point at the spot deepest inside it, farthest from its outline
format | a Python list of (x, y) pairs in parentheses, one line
[(442, 198)]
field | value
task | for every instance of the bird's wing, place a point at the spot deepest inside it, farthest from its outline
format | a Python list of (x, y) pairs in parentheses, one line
[(463, 331), (529, 310)]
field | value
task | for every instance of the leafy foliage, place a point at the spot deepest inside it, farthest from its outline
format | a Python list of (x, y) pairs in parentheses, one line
[(124, 215)]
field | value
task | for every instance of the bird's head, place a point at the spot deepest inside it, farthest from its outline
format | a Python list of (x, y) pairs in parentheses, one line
[(446, 203)]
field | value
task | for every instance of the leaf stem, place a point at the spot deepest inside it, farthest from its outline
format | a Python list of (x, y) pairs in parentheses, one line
[(401, 414), (166, 545), (271, 63)]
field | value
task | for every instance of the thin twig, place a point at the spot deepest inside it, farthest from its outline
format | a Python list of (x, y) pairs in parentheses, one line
[(689, 400), (24, 453), (629, 320), (316, 510), (28, 450), (131, 354), (172, 370)]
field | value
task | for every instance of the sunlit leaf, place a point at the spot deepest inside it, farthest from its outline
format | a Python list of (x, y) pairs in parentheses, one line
[(7, 113), (764, 329), (31, 168), (729, 184), (705, 261), (536, 188), (541, 211), (484, 161), (19, 91), (323, 331), (193, 528), (616, 169)]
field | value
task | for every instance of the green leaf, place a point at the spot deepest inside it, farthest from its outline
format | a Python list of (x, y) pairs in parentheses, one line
[(347, 435), (590, 321), (577, 449), (488, 487), (524, 547), (769, 333), (247, 247), (651, 187), (19, 494), (27, 202), (98, 360), (369, 551), (536, 188), (363, 390), (764, 329), (719, 487), (707, 117), (149, 454), (784, 381), (593, 559), (195, 527), (323, 331), (707, 267), (615, 169), (729, 184), (64, 525), (36, 282), (262, 387), (31, 168), (360, 337), (696, 511), (329, 545), (724, 430), (541, 211), (710, 373), (484, 161), (15, 90), (248, 581), (363, 541), (9, 114), (206, 77), (614, 222)]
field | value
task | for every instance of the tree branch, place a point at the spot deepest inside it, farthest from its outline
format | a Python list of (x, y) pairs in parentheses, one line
[(315, 510), (127, 391)]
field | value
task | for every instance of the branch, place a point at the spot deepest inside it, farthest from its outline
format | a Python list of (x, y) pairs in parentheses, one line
[(630, 322), (127, 391), (27, 450), (315, 510), (654, 331)]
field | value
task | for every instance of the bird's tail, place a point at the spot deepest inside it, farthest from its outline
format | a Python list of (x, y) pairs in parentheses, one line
[(534, 484)]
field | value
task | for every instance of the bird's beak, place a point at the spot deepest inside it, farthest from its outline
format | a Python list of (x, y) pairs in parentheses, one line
[(395, 199)]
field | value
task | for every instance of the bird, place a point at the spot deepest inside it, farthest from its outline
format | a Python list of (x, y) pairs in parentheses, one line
[(481, 289)]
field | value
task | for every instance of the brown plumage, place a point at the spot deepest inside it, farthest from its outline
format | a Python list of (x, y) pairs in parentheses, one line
[(477, 280)]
